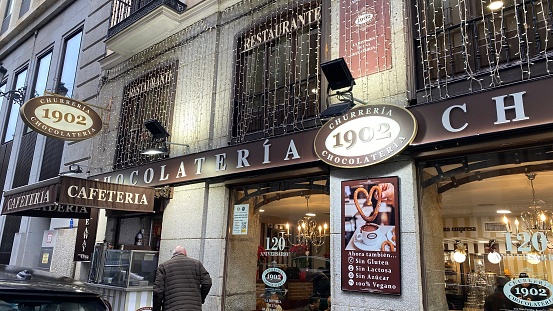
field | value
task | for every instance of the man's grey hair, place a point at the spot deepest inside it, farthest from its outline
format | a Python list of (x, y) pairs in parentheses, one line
[(179, 250)]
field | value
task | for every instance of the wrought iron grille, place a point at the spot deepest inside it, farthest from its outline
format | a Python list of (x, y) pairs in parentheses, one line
[(126, 12), (463, 46), (149, 97), (277, 82)]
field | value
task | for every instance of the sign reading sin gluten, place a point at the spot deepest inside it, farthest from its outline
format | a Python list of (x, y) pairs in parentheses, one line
[(61, 117)]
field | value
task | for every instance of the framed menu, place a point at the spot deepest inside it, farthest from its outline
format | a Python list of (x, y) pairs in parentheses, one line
[(371, 260)]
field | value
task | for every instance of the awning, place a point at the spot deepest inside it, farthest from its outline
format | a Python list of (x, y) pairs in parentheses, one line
[(71, 197)]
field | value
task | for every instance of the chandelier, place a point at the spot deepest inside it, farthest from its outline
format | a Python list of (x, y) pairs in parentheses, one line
[(308, 231), (533, 232)]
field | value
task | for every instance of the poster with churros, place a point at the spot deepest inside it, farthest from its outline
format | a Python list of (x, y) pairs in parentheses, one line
[(370, 227)]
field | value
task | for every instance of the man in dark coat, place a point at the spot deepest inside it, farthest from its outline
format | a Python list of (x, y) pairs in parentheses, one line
[(498, 301), (182, 283)]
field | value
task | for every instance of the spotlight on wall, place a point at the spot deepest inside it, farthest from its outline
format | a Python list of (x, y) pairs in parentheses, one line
[(163, 150), (73, 169), (339, 77), (156, 129), (338, 74), (159, 135)]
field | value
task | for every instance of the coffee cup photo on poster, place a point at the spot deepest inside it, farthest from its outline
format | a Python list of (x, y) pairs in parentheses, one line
[(369, 216)]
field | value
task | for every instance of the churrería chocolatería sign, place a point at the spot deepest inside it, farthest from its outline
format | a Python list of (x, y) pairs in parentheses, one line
[(371, 259), (61, 117), (365, 136)]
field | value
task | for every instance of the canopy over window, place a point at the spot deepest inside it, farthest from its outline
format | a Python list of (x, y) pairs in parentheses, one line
[(71, 197)]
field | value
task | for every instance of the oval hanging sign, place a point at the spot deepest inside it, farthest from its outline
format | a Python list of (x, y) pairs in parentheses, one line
[(61, 117), (365, 136)]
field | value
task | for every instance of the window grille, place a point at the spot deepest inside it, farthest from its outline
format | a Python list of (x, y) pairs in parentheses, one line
[(277, 74), (463, 46)]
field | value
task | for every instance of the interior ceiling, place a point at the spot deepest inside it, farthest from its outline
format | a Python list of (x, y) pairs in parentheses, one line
[(508, 192)]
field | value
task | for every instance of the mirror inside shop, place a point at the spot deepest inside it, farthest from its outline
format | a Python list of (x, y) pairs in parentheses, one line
[(290, 230), (496, 241)]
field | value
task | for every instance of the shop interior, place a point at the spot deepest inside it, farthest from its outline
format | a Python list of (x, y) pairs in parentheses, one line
[(128, 258), (290, 231), (497, 218)]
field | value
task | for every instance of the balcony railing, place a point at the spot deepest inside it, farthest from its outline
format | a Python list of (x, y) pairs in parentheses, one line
[(126, 12)]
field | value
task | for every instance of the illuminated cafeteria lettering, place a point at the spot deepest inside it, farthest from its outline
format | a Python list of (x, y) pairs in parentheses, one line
[(106, 195), (29, 200)]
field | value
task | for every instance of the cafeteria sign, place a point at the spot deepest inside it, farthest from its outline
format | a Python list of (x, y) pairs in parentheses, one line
[(61, 117), (365, 136)]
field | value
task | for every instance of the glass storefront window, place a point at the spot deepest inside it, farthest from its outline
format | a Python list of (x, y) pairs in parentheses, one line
[(487, 224), (283, 252)]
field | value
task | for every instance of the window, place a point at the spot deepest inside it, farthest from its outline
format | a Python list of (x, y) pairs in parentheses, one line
[(148, 97), (13, 110), (289, 265), (25, 4), (7, 16), (71, 54), (277, 81), (487, 220), (41, 77), (465, 40)]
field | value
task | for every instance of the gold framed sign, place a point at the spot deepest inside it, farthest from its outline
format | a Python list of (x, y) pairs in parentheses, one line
[(365, 136), (61, 117)]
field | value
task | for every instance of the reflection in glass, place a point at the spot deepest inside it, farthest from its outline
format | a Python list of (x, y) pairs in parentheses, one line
[(13, 110), (71, 58), (42, 75)]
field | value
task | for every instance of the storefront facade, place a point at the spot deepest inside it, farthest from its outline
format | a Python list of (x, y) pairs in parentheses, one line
[(489, 195), (238, 169), (241, 170)]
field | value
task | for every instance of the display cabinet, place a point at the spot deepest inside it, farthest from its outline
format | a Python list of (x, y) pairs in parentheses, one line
[(452, 275), (129, 268)]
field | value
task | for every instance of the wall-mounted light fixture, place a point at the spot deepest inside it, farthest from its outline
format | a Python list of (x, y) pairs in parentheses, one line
[(3, 72), (16, 95), (159, 135), (73, 169), (61, 89), (156, 129), (339, 77)]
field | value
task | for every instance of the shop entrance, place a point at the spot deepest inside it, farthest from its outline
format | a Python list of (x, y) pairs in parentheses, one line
[(284, 251)]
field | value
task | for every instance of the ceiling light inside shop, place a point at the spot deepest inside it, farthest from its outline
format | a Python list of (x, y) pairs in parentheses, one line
[(261, 210), (533, 258), (503, 211), (493, 256), (308, 230), (460, 254)]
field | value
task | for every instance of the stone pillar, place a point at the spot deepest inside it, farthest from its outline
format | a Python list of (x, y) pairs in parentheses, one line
[(433, 258)]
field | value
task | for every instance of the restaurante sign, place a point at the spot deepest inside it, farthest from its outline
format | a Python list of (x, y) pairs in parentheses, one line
[(61, 117)]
